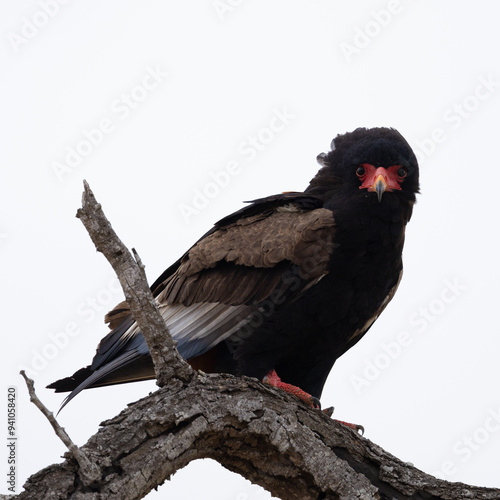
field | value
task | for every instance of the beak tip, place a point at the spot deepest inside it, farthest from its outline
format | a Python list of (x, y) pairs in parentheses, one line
[(379, 189)]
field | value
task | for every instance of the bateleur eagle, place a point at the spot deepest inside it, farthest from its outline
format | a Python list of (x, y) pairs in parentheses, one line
[(283, 287)]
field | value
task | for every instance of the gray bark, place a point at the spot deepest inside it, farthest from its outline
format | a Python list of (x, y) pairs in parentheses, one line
[(262, 433)]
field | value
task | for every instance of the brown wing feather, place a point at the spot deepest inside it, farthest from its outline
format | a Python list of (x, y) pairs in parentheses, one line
[(243, 262), (117, 315)]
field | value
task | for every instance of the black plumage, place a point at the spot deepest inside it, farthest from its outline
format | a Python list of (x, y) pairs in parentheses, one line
[(288, 283)]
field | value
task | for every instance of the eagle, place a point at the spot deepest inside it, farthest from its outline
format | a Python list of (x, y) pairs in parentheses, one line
[(280, 289)]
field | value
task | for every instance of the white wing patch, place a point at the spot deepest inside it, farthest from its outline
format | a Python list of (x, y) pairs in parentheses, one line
[(199, 327), (200, 320)]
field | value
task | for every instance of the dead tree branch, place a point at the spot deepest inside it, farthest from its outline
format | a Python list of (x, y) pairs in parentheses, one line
[(87, 471), (267, 436), (130, 272)]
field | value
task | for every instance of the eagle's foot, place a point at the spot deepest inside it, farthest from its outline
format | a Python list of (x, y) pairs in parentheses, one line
[(355, 427), (273, 380)]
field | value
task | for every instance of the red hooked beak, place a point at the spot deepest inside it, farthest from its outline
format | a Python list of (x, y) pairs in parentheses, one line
[(380, 180)]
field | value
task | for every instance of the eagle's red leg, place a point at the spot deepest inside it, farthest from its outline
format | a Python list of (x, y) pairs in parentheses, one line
[(273, 379)]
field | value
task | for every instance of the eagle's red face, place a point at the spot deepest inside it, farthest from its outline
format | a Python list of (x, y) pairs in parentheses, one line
[(368, 161), (381, 179)]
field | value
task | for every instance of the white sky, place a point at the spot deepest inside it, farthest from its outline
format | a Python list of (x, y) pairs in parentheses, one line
[(177, 88)]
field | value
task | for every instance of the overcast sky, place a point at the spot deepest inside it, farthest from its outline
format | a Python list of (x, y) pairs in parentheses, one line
[(177, 112)]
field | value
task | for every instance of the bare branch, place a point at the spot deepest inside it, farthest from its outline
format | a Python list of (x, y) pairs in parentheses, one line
[(168, 364), (88, 472)]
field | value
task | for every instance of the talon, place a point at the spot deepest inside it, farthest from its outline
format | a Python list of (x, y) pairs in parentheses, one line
[(329, 411), (359, 429), (315, 403)]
